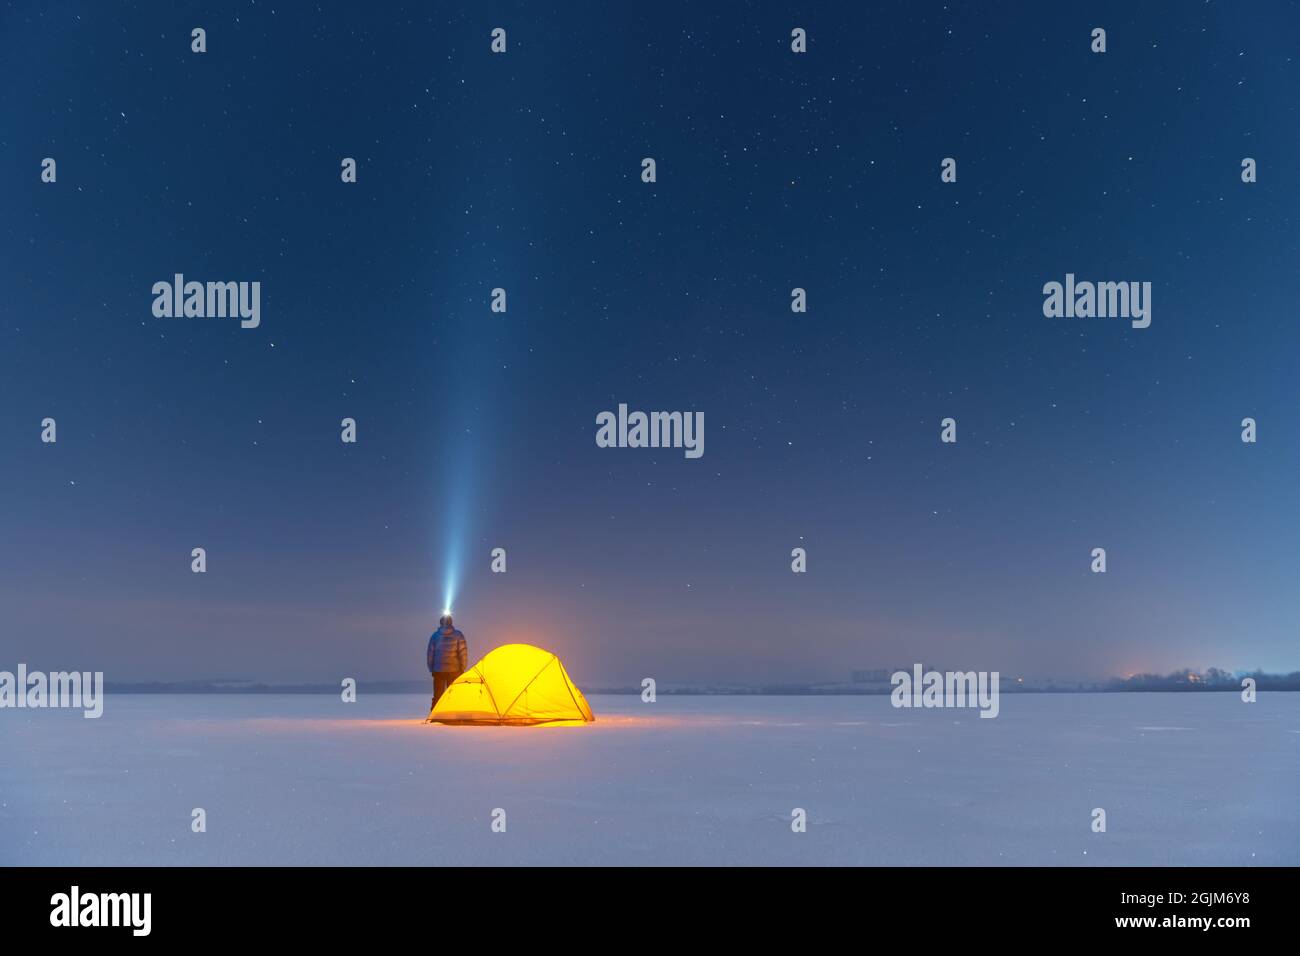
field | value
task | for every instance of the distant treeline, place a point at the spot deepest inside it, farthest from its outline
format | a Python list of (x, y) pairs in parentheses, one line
[(1212, 679)]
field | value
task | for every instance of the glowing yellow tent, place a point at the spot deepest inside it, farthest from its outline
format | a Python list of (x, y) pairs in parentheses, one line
[(514, 684)]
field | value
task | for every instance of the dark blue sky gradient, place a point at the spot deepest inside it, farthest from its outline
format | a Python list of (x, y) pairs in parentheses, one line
[(477, 429)]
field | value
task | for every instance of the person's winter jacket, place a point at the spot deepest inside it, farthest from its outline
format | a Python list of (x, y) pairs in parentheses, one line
[(447, 653)]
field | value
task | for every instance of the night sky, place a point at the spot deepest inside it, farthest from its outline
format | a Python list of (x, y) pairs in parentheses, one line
[(476, 430)]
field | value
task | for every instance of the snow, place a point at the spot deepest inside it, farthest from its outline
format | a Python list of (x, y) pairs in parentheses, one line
[(1184, 778)]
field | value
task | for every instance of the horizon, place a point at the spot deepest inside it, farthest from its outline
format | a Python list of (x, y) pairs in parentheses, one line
[(1013, 681)]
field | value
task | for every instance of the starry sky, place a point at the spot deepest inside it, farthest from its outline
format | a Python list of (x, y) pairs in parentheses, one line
[(476, 430)]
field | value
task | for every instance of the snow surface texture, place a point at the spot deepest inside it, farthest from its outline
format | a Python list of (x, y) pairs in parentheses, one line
[(1184, 779)]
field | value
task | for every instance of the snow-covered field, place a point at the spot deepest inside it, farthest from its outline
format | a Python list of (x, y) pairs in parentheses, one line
[(1184, 779)]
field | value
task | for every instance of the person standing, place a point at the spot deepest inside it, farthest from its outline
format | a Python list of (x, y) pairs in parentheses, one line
[(446, 657)]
